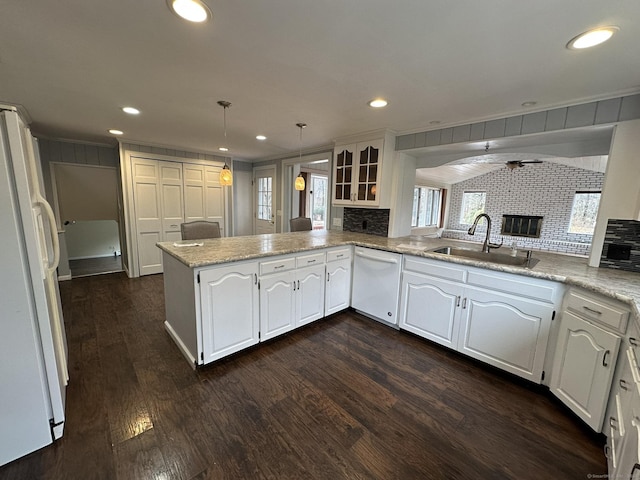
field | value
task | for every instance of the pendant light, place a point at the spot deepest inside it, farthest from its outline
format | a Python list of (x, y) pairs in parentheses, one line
[(226, 177), (299, 183)]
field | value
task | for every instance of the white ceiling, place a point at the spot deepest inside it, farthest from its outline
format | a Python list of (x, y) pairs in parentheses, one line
[(73, 63), (459, 172)]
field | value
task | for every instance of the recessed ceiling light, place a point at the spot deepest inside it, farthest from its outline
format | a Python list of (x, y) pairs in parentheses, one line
[(191, 10), (223, 149), (260, 137), (130, 110), (592, 37), (113, 131), (529, 104), (378, 103)]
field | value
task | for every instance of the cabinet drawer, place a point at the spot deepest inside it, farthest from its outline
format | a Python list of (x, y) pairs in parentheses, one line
[(593, 307), (434, 268), (278, 265), (338, 254), (309, 260)]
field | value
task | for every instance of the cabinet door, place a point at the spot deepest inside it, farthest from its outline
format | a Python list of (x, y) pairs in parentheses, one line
[(429, 308), (343, 174), (367, 178), (505, 331), (277, 304), (230, 309), (338, 288), (628, 467), (309, 294), (583, 367)]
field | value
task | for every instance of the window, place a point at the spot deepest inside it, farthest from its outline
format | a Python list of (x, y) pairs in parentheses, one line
[(426, 207), (264, 198), (584, 212), (472, 206)]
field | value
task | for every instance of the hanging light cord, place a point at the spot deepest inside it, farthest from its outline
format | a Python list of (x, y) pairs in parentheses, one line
[(300, 126)]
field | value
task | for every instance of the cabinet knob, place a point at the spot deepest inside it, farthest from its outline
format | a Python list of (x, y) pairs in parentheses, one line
[(633, 341), (612, 423), (623, 384), (604, 358)]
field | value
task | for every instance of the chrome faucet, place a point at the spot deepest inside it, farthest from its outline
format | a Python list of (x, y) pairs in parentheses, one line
[(487, 245)]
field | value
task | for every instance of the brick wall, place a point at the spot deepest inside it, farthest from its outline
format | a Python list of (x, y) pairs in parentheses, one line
[(545, 189)]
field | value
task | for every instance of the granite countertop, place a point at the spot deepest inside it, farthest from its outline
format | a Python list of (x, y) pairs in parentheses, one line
[(623, 286)]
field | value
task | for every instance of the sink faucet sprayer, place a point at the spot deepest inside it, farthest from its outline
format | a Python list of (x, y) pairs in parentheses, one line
[(487, 245)]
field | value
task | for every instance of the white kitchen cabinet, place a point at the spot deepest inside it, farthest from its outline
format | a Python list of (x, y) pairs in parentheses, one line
[(364, 171), (501, 319), (310, 294), (229, 304), (291, 297), (376, 283), (277, 304), (358, 173), (619, 416), (505, 331), (583, 367), (338, 288), (429, 308)]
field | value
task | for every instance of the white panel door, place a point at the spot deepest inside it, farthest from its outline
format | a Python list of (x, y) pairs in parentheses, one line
[(148, 214), (309, 294), (583, 366), (230, 309), (277, 304), (264, 200), (171, 200), (338, 288), (429, 308), (505, 331), (194, 192), (203, 195)]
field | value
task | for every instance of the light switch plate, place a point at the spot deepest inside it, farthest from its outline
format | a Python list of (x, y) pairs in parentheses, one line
[(337, 222)]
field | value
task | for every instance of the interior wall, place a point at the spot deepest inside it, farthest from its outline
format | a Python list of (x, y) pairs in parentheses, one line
[(545, 189), (242, 198), (621, 189), (91, 239)]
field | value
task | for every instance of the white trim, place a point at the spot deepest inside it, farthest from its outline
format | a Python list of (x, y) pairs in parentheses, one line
[(181, 346)]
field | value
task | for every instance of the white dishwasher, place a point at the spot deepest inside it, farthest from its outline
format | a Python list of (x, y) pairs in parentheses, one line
[(375, 289)]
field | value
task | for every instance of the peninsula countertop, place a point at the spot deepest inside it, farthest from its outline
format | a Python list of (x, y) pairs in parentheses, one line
[(620, 285)]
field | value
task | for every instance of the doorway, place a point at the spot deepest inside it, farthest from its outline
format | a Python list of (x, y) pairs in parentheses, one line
[(264, 194), (313, 201), (86, 204), (316, 200)]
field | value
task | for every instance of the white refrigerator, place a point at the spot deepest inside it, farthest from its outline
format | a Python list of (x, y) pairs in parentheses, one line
[(33, 349)]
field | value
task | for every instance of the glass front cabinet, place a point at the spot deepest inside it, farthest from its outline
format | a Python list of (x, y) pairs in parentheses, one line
[(357, 169)]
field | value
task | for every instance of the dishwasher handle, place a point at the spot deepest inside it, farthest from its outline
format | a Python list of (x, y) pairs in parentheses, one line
[(377, 259)]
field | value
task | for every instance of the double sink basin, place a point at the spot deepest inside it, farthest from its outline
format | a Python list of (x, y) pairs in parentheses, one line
[(493, 257)]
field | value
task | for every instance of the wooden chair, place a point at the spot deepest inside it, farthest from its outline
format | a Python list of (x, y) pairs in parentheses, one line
[(199, 230), (300, 224)]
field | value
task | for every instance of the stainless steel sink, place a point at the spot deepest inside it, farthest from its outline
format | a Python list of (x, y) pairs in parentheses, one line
[(494, 257)]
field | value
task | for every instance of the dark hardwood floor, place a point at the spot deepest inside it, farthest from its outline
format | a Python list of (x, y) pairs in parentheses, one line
[(345, 398), (95, 266)]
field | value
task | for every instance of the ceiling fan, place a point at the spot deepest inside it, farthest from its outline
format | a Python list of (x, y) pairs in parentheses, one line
[(520, 163)]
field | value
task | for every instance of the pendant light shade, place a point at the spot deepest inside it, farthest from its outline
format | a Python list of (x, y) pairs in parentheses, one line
[(226, 177), (299, 184)]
